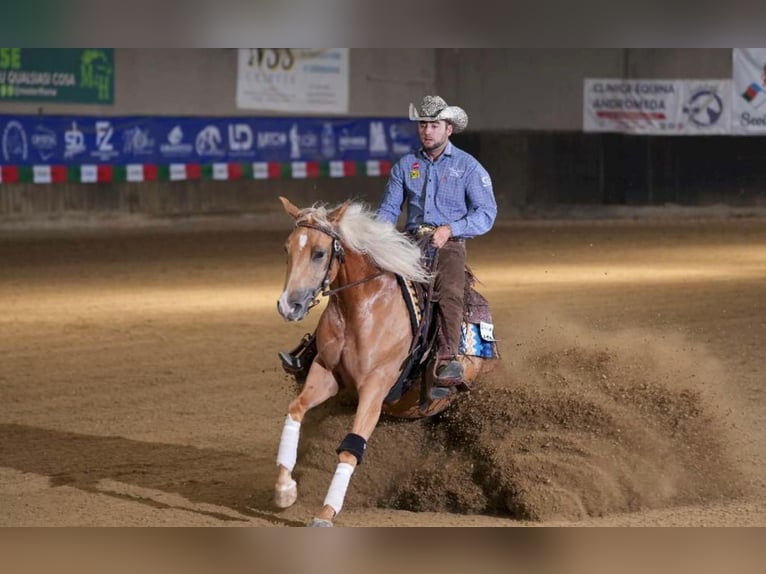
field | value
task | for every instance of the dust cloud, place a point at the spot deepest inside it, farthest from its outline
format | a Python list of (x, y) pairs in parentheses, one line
[(574, 423)]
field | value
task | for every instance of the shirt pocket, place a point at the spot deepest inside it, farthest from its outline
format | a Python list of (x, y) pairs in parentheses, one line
[(414, 187)]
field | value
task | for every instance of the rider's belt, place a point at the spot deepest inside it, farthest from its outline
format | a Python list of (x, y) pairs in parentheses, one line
[(428, 229), (423, 229)]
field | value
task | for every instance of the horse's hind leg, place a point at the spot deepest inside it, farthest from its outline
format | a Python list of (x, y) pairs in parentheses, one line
[(320, 386)]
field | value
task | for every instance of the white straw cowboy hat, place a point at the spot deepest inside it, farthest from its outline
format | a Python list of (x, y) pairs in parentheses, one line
[(435, 108)]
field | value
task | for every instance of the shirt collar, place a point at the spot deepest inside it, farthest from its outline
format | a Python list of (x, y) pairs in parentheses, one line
[(447, 151)]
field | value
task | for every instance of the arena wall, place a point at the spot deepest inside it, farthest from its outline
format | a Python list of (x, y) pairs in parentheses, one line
[(525, 110)]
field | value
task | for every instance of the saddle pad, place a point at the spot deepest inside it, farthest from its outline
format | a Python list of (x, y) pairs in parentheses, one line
[(472, 341)]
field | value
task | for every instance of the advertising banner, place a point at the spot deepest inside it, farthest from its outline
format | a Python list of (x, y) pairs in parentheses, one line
[(72, 75), (657, 107), (293, 80), (749, 91), (137, 148)]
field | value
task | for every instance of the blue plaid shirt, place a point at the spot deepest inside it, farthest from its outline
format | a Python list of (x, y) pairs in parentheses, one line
[(454, 190)]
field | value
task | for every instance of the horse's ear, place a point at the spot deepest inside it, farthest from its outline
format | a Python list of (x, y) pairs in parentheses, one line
[(291, 210), (337, 214)]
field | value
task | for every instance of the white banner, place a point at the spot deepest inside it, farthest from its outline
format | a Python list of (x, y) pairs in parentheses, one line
[(749, 91), (293, 79), (657, 107)]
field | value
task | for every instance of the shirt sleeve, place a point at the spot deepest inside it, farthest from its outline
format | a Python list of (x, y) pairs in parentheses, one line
[(481, 204), (393, 197)]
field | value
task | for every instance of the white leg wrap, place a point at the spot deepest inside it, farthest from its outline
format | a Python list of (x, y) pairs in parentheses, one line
[(288, 444), (338, 486)]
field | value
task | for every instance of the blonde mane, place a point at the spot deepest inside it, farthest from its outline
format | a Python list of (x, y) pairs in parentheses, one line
[(360, 231)]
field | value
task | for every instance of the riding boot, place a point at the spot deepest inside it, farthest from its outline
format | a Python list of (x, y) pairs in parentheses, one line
[(450, 373), (298, 361)]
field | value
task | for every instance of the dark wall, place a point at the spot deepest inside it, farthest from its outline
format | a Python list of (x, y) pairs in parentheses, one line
[(538, 169)]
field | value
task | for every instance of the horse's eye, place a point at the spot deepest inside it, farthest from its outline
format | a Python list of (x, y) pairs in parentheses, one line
[(317, 255)]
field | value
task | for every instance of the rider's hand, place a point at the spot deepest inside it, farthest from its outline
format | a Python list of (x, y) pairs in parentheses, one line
[(441, 235)]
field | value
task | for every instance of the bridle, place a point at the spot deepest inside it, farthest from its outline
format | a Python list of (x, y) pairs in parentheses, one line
[(337, 253)]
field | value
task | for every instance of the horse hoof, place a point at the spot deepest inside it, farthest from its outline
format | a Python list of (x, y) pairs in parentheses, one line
[(320, 523), (285, 495)]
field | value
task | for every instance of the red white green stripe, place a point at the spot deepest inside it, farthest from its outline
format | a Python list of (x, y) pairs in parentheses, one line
[(102, 173)]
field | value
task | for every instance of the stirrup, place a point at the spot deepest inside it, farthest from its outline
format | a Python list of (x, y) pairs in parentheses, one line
[(450, 374), (298, 361)]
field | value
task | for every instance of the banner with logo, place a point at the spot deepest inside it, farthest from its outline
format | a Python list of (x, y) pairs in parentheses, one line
[(76, 75), (185, 148), (657, 107), (297, 80), (749, 91)]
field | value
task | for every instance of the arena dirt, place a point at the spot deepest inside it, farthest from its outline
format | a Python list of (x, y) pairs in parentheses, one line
[(140, 384)]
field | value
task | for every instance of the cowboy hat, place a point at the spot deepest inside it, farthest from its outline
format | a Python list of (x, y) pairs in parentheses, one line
[(435, 108)]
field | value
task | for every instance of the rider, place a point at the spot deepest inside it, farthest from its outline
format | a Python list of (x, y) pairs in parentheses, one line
[(447, 193)]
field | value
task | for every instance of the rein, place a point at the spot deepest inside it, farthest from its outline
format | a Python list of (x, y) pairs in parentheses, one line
[(337, 253)]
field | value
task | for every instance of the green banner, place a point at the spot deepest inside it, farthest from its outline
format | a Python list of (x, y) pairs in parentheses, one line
[(73, 75)]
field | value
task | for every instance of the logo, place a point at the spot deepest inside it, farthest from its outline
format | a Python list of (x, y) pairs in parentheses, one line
[(403, 136), (300, 141), (136, 141), (44, 141), (454, 172), (755, 95), (271, 139), (96, 72), (104, 146), (208, 141), (415, 171), (104, 133), (328, 140), (347, 142), (176, 145), (176, 135), (378, 144), (704, 108), (486, 181), (240, 137), (15, 142), (74, 142)]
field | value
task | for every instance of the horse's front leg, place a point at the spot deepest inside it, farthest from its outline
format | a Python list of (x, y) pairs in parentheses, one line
[(320, 386), (351, 449)]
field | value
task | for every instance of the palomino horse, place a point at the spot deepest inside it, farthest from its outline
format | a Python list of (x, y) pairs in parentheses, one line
[(363, 336)]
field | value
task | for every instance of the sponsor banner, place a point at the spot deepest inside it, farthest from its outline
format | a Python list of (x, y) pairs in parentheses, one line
[(140, 140), (658, 107), (313, 80), (77, 75), (749, 91)]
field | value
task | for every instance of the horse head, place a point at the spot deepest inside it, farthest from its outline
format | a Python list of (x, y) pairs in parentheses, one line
[(314, 254)]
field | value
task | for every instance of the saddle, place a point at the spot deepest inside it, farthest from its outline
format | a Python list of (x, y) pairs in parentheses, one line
[(477, 337)]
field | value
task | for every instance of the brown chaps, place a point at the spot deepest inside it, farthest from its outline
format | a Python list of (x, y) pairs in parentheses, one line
[(449, 291)]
